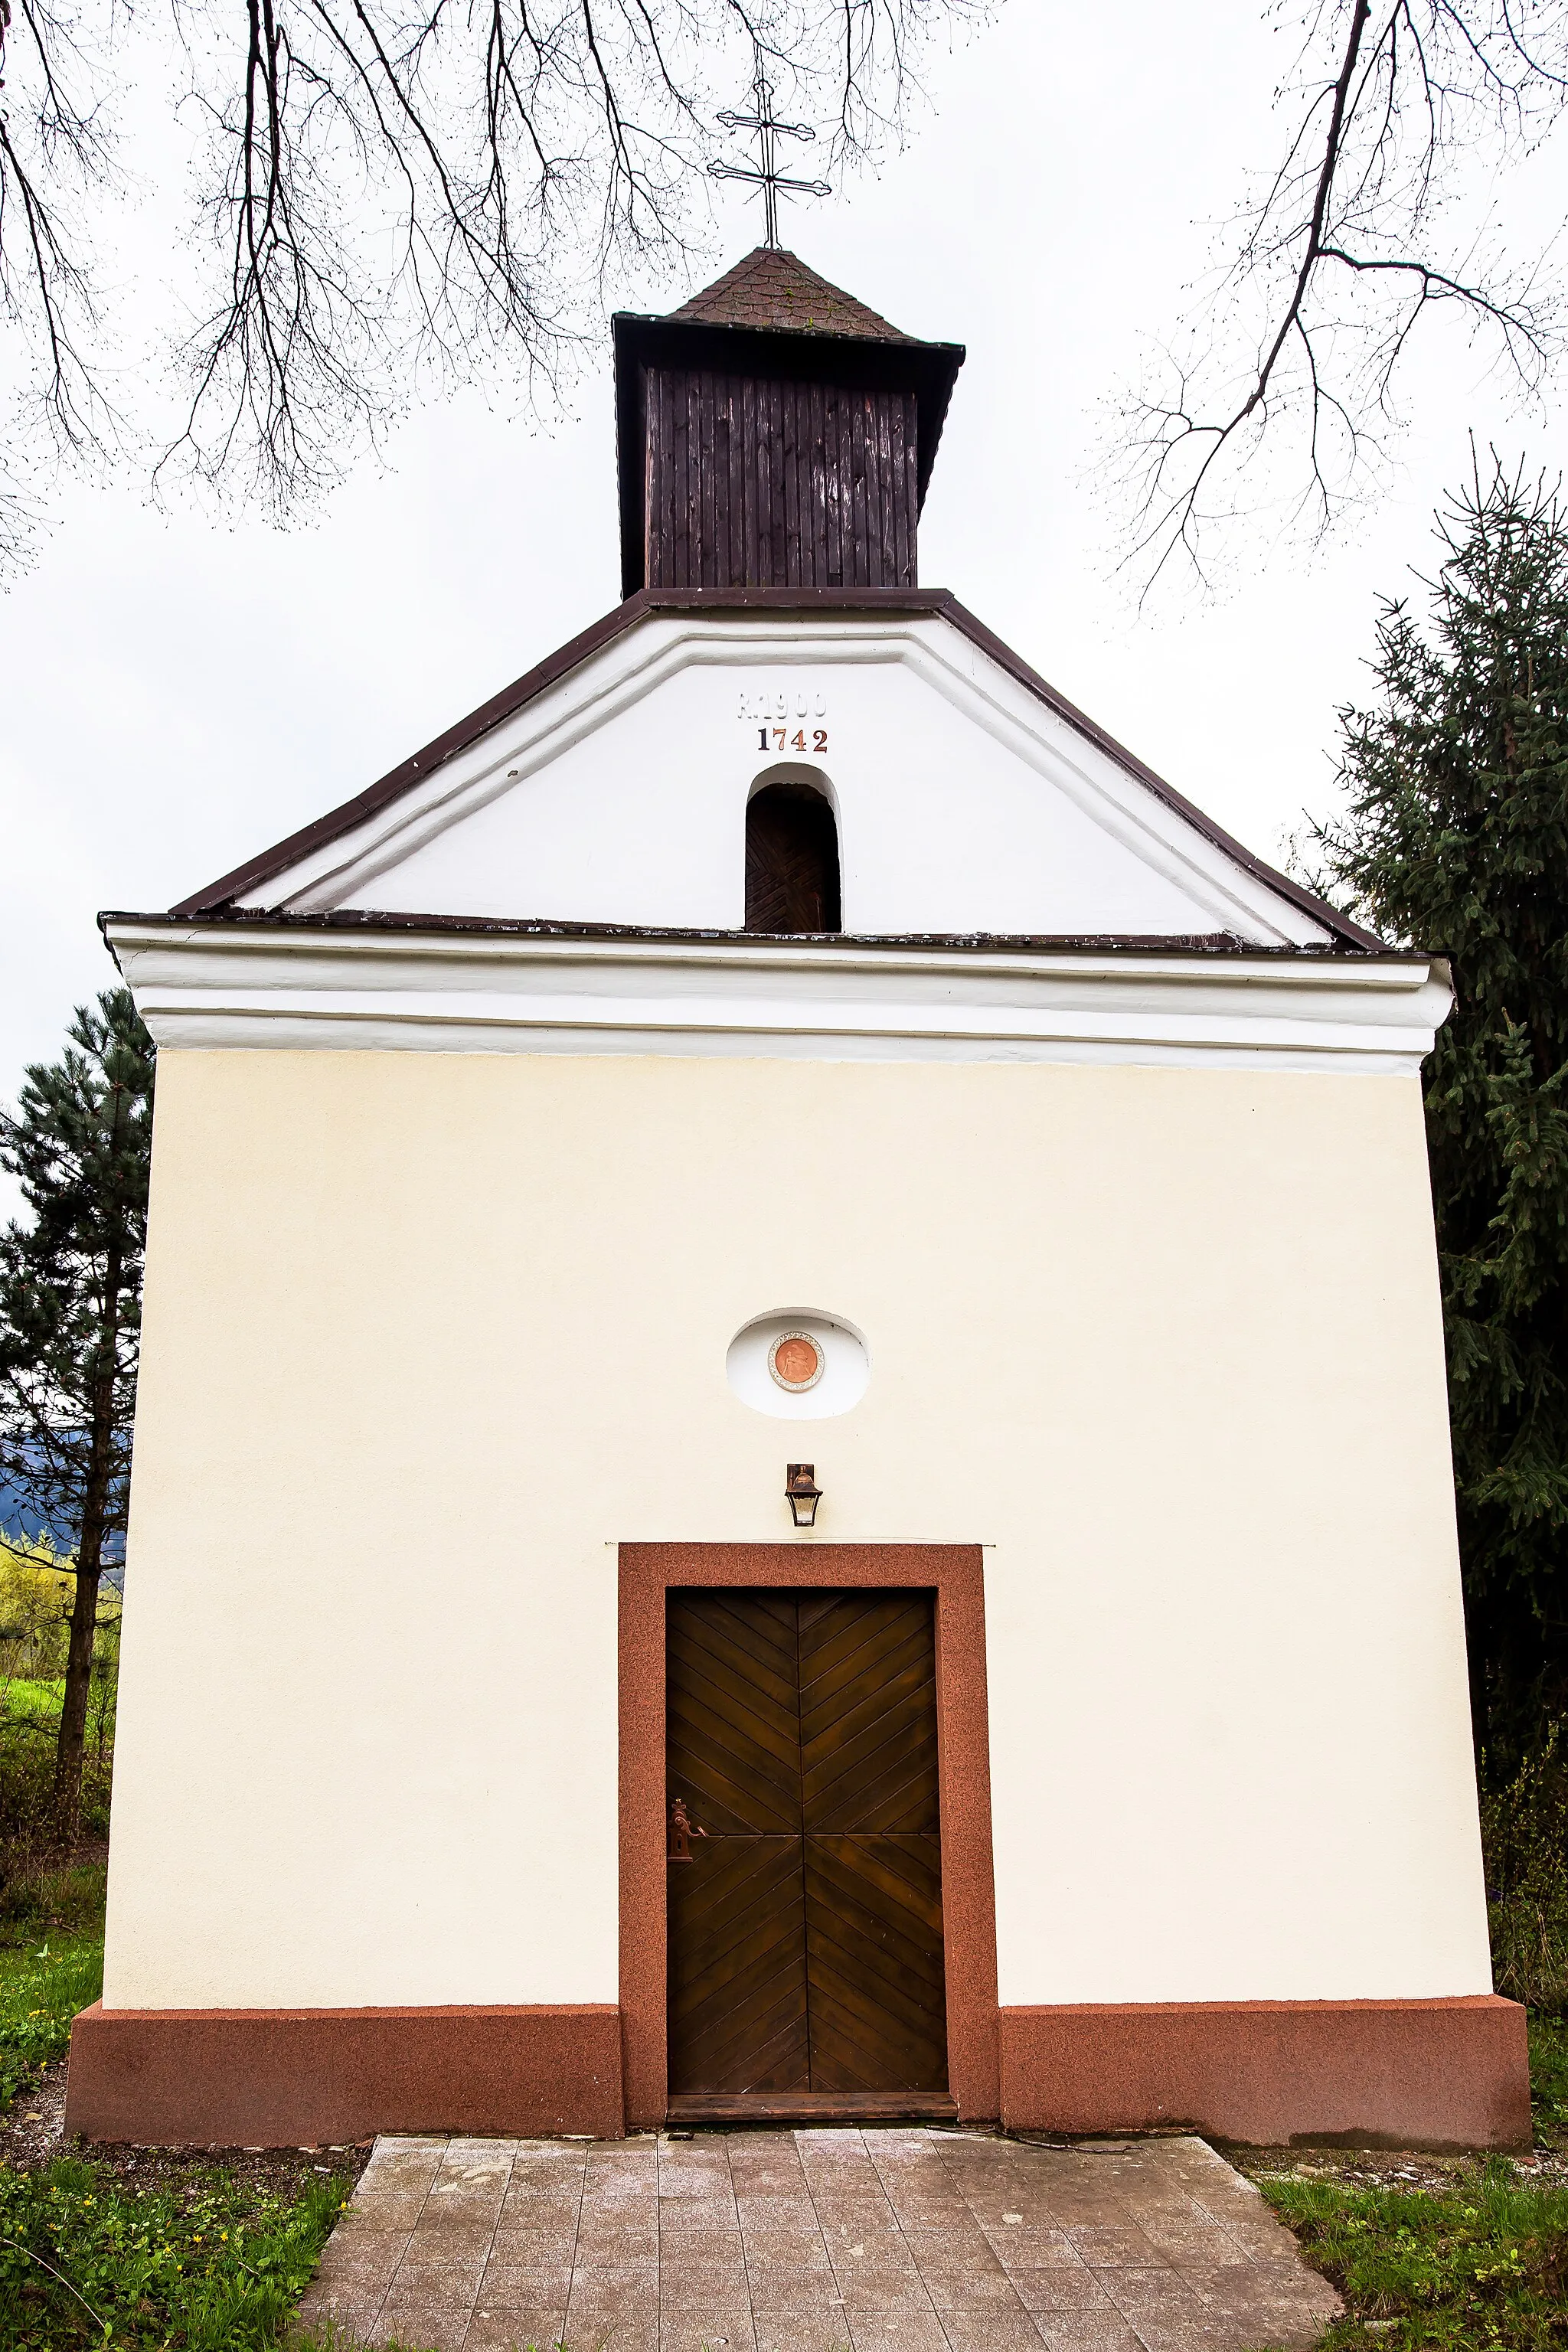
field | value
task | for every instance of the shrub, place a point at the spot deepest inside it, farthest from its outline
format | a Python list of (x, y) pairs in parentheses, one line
[(31, 1695), (27, 1794), (35, 1610), (1524, 1833), (1549, 2079), (37, 1902)]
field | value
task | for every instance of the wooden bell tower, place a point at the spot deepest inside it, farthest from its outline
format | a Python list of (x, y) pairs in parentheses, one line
[(775, 433)]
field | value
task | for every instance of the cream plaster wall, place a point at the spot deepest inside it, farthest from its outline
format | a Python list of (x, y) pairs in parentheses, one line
[(428, 1333)]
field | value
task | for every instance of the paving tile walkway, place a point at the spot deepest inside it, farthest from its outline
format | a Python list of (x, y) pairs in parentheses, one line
[(829, 2240)]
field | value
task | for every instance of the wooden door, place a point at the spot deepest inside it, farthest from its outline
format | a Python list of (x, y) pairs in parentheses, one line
[(805, 1951)]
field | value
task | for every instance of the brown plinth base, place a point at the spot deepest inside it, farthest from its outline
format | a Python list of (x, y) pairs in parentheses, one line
[(809, 2108), (302, 2077), (1362, 2073), (1369, 2074)]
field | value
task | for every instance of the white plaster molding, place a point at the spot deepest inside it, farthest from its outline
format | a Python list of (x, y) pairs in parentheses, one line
[(205, 986), (931, 647)]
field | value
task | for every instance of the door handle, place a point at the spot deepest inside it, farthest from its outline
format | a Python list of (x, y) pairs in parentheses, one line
[(682, 1828)]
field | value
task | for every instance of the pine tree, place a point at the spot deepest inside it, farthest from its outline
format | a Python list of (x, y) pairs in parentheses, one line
[(1456, 839), (70, 1289)]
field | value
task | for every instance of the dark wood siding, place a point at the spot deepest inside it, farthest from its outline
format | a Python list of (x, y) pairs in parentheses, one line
[(754, 482)]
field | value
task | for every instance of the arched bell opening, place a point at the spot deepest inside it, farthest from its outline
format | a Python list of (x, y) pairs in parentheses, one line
[(792, 853)]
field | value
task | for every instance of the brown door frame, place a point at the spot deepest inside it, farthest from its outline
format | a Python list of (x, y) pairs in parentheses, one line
[(955, 1572)]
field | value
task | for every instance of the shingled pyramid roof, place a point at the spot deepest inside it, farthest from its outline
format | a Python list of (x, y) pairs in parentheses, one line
[(772, 288)]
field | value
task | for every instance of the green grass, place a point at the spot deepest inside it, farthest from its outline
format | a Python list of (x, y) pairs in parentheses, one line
[(88, 2258), (205, 2267), (38, 1701), (33, 1701), (42, 1987), (1483, 2267)]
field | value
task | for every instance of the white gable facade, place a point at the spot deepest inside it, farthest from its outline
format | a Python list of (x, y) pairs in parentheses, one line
[(964, 802), (497, 1168)]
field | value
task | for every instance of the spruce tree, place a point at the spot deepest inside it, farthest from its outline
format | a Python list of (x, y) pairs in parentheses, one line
[(1454, 838), (70, 1290)]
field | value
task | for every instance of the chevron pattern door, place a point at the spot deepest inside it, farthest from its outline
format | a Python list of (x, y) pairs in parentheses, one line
[(805, 1949)]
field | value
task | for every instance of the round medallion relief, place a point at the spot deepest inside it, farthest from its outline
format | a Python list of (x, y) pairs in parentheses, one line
[(797, 1364), (796, 1361)]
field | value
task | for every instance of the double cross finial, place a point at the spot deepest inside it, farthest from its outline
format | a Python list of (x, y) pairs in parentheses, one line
[(768, 178)]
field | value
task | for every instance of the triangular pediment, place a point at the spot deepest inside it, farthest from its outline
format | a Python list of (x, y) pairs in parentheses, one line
[(610, 788)]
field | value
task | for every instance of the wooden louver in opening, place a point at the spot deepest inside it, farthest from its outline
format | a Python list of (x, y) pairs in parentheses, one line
[(792, 861), (760, 483)]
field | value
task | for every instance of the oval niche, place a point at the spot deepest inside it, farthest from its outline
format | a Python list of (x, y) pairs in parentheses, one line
[(798, 1365)]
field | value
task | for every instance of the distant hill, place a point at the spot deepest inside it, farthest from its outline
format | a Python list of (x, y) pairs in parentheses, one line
[(20, 1521)]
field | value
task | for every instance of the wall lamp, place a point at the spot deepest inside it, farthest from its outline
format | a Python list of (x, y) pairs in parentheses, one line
[(802, 1492)]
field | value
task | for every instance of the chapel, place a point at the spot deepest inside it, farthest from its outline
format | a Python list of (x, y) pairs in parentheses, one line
[(792, 1458)]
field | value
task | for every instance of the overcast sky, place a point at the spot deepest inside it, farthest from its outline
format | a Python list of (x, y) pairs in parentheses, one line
[(179, 693)]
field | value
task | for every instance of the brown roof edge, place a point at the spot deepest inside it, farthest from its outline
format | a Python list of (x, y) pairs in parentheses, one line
[(647, 602), (397, 781), (1130, 943)]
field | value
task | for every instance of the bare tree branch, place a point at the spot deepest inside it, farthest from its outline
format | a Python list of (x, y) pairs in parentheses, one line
[(1347, 252), (391, 195), (54, 152)]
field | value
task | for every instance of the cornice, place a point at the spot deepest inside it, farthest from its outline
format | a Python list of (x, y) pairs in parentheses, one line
[(226, 985)]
